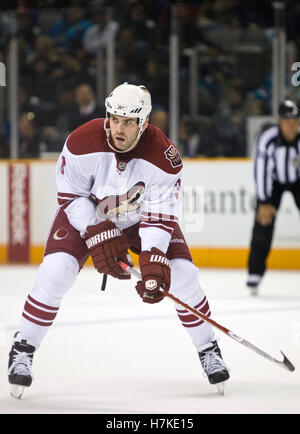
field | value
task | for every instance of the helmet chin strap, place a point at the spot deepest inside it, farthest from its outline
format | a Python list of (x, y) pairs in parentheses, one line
[(108, 136)]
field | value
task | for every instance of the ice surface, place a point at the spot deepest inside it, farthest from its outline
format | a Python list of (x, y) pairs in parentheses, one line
[(109, 353)]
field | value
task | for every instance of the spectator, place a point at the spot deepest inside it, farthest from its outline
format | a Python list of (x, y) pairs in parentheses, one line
[(29, 102), (186, 23), (140, 23), (229, 124), (7, 29), (255, 106), (56, 132), (189, 31), (71, 28), (65, 101), (230, 134), (160, 118), (70, 72), (41, 84), (43, 48), (96, 36), (86, 107), (195, 136), (157, 79), (123, 72), (215, 70), (26, 21), (135, 50), (26, 103), (31, 142)]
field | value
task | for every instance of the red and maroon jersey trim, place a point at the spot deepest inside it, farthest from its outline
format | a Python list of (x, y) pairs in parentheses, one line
[(165, 225), (146, 216), (63, 198)]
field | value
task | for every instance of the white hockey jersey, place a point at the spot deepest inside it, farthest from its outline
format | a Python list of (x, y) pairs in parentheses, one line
[(140, 186)]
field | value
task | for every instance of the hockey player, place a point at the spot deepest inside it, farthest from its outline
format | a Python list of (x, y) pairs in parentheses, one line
[(118, 183)]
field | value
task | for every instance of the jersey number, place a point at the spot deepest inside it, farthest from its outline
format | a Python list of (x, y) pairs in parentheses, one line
[(62, 167)]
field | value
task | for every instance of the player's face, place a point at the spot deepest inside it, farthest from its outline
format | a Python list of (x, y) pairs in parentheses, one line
[(123, 131), (289, 128)]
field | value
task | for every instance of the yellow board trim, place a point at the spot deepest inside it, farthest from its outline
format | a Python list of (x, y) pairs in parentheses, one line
[(37, 252), (285, 259), (3, 255)]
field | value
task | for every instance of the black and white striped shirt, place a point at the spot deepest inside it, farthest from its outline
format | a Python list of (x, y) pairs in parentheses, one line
[(275, 160)]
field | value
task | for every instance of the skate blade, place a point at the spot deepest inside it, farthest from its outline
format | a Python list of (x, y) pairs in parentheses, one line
[(16, 391), (221, 388), (253, 290)]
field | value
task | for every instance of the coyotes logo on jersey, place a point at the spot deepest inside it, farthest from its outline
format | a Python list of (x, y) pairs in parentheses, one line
[(118, 206)]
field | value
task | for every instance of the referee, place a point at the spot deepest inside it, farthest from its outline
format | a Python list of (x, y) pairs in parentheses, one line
[(276, 170)]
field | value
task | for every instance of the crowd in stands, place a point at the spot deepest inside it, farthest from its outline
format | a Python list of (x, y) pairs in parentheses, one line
[(58, 49)]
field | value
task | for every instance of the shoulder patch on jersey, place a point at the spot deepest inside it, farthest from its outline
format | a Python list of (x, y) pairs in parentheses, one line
[(173, 156), (156, 148)]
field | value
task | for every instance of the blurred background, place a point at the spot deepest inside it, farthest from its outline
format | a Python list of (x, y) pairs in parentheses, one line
[(216, 69)]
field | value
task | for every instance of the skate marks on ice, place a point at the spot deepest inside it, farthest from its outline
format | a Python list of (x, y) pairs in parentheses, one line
[(148, 365)]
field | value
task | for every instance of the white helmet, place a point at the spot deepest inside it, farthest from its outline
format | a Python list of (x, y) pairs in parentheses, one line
[(131, 101)]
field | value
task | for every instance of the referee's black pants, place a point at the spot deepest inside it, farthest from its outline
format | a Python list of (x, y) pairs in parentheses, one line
[(262, 235)]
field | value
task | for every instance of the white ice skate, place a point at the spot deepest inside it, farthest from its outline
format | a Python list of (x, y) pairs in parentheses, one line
[(19, 367), (253, 282), (214, 366)]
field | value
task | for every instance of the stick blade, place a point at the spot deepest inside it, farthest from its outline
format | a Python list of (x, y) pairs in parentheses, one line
[(287, 363)]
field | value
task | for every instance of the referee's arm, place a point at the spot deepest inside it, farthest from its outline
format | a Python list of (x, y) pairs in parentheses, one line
[(264, 165), (263, 173)]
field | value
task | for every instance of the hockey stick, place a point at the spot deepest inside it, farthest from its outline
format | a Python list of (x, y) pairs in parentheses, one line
[(104, 280), (285, 363)]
